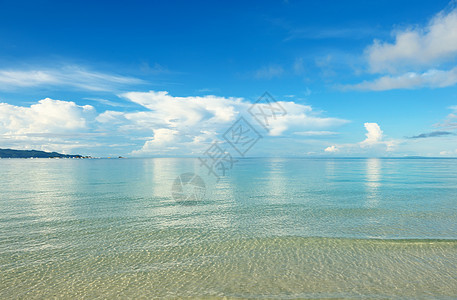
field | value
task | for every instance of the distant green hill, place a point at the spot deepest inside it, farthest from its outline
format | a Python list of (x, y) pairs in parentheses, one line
[(9, 153)]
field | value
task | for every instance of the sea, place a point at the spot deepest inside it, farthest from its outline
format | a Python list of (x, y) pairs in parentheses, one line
[(268, 228)]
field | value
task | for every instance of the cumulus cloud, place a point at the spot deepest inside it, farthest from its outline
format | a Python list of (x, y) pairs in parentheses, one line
[(332, 149), (166, 124), (163, 139), (449, 153), (47, 125), (44, 117), (198, 120), (187, 111), (374, 138), (373, 142), (299, 117), (420, 46), (374, 134), (418, 57), (69, 76)]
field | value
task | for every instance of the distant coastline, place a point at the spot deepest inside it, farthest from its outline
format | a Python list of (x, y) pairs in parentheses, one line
[(10, 153)]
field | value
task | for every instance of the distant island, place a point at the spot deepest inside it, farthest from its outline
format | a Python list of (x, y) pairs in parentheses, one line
[(10, 153)]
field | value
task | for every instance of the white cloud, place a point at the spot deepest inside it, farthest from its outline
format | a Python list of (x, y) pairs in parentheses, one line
[(374, 134), (411, 80), (163, 139), (449, 153), (301, 117), (420, 46), (198, 120), (332, 149), (374, 138), (373, 143), (106, 102), (14, 78), (69, 76), (187, 111), (167, 124), (50, 125), (44, 117), (419, 57)]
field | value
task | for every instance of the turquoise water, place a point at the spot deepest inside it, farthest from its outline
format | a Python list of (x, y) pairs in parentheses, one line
[(273, 228)]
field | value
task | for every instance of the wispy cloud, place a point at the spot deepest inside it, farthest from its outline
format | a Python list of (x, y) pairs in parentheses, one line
[(205, 90), (451, 120), (316, 133), (299, 66), (69, 76), (155, 69), (431, 134), (352, 33), (269, 72), (294, 31), (108, 102), (411, 80)]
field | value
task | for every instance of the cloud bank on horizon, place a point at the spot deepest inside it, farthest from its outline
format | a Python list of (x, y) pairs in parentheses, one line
[(166, 125), (347, 91)]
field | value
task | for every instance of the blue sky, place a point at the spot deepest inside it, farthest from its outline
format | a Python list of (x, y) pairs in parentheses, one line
[(357, 78)]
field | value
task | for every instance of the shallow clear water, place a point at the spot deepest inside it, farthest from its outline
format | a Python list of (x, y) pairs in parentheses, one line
[(271, 228)]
